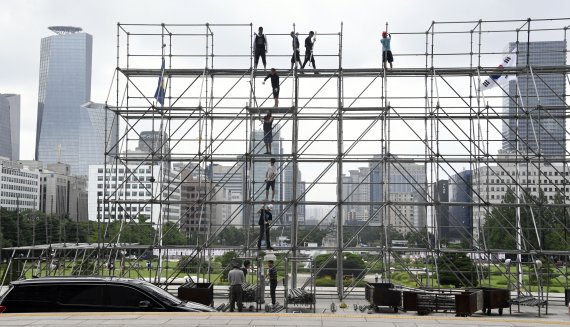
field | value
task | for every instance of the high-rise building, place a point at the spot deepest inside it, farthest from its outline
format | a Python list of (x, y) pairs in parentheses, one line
[(406, 183), (150, 141), (260, 165), (95, 138), (227, 182), (287, 188), (12, 125), (5, 134), (454, 214), (356, 188), (460, 212), (441, 192), (65, 85), (542, 98)]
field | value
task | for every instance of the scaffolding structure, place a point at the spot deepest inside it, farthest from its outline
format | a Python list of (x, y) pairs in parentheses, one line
[(426, 120)]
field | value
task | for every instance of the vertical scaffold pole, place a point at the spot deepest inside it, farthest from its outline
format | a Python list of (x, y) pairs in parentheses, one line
[(340, 150), (294, 157)]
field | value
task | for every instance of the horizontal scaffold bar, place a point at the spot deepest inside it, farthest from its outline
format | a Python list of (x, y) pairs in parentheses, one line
[(353, 72), (329, 203), (360, 158)]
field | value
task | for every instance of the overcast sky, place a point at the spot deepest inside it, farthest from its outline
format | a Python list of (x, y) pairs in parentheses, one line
[(24, 22)]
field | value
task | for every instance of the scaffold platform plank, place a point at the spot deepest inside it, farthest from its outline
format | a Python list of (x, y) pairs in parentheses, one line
[(273, 110), (379, 109)]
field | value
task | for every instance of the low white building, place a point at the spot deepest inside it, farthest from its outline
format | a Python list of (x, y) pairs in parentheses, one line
[(131, 192), (19, 186)]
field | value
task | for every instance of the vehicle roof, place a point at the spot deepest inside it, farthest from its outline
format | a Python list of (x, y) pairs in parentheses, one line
[(76, 279)]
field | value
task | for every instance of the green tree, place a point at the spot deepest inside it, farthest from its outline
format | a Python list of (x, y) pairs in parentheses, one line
[(227, 258), (457, 269), (500, 225), (172, 235), (352, 264)]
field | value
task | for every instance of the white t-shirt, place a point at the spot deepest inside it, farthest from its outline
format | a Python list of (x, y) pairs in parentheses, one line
[(271, 173)]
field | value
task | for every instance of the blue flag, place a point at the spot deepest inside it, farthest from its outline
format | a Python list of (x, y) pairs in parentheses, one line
[(160, 89)]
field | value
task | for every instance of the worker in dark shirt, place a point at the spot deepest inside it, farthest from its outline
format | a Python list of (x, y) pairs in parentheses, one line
[(245, 267), (296, 54), (267, 131), (272, 280), (265, 218), (260, 46), (309, 43), (274, 85)]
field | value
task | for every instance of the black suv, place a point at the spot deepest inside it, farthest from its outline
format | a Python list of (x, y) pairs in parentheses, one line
[(105, 294)]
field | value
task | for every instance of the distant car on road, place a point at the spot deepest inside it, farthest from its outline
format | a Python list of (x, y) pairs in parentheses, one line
[(83, 294)]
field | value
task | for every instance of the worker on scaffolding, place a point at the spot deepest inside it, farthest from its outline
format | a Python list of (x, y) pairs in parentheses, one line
[(274, 85), (270, 176), (296, 58), (265, 218), (309, 43), (267, 131), (386, 52), (260, 44)]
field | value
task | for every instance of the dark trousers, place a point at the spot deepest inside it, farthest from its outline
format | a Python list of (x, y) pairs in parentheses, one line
[(309, 57), (272, 287), (259, 52), (296, 57), (264, 228), (236, 293)]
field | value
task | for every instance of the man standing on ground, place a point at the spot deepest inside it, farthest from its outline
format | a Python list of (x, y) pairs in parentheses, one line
[(267, 131), (386, 52), (265, 218), (270, 176), (236, 278), (272, 281), (309, 43), (296, 53), (274, 85), (260, 44)]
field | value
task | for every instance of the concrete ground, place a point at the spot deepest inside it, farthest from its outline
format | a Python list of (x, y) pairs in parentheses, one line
[(280, 319), (557, 315)]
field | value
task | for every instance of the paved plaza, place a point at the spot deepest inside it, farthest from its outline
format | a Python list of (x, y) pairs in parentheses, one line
[(527, 318)]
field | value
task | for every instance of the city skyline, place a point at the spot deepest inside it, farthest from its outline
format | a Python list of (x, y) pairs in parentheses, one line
[(22, 65)]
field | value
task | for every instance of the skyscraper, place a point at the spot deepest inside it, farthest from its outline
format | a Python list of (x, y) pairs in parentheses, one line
[(65, 85), (5, 134), (542, 98), (406, 184), (14, 104), (260, 165), (94, 137)]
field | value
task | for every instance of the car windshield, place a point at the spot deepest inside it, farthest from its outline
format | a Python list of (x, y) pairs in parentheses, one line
[(161, 294)]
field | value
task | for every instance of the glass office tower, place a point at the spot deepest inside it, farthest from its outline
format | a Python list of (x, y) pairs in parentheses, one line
[(65, 85), (5, 131), (539, 97)]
